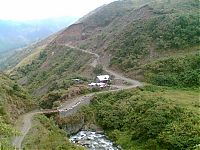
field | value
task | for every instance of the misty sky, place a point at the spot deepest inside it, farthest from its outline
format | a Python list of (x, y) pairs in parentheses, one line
[(39, 9)]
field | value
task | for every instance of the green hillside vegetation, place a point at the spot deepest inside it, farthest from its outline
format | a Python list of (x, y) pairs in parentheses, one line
[(13, 97), (54, 67), (49, 76), (148, 118), (146, 31), (134, 33), (157, 40), (14, 100), (6, 131), (45, 135), (19, 57), (172, 27), (103, 16), (182, 71)]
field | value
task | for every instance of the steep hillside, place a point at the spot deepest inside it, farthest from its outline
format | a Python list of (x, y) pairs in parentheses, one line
[(88, 27), (32, 34), (54, 69), (14, 99), (181, 71), (148, 118), (46, 135), (129, 36), (13, 102), (23, 56), (155, 41), (148, 38), (133, 33)]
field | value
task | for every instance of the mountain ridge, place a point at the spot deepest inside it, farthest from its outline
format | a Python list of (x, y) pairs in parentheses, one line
[(127, 41), (156, 42), (16, 34)]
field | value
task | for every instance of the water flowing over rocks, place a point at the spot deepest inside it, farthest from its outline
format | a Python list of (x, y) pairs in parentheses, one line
[(93, 141)]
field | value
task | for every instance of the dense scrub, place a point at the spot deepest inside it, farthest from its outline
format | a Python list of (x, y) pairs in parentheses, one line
[(171, 27), (174, 71), (146, 119), (179, 31), (53, 98), (14, 101), (50, 77), (6, 132), (13, 97), (46, 135)]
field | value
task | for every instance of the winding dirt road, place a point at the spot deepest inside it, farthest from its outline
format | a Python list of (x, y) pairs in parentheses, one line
[(25, 127), (72, 105), (96, 61)]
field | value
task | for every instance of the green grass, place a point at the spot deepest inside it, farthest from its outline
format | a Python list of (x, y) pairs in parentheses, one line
[(54, 67), (188, 98), (45, 135), (179, 71), (173, 26), (185, 97), (13, 97), (151, 117), (14, 101), (49, 76)]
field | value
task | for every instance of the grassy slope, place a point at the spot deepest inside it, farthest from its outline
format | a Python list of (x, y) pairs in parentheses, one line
[(167, 32), (54, 66), (23, 56), (143, 41), (46, 135), (14, 100), (134, 35), (172, 27), (181, 71), (144, 34), (49, 76), (148, 118)]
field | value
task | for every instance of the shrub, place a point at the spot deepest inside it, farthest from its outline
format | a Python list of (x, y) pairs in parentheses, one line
[(98, 70), (174, 71), (137, 121), (49, 100)]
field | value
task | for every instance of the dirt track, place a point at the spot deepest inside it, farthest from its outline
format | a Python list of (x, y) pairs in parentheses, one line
[(73, 104)]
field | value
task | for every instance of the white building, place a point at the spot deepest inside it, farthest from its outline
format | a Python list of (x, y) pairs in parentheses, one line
[(96, 85), (101, 82), (103, 78)]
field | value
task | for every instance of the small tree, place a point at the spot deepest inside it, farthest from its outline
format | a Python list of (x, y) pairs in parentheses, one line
[(16, 87), (98, 69)]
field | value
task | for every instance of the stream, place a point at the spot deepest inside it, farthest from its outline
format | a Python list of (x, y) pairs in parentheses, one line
[(93, 141)]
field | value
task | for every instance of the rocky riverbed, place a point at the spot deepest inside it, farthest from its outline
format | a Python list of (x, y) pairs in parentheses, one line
[(93, 141)]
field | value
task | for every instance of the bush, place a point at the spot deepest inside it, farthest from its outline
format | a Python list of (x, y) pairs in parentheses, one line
[(49, 100), (16, 87), (174, 71), (98, 70), (136, 121), (164, 32)]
